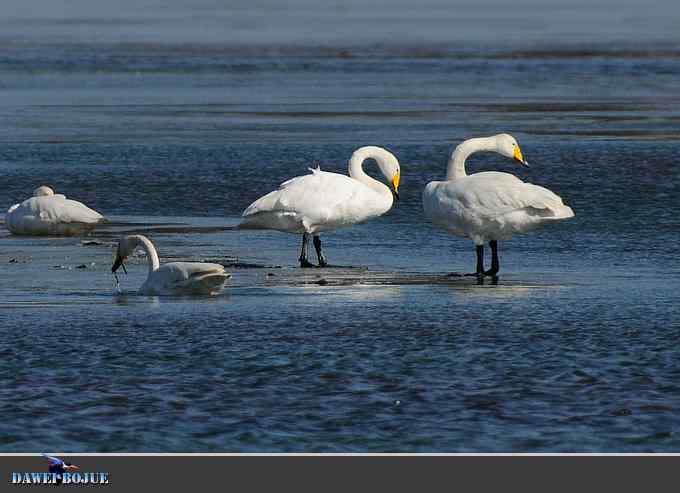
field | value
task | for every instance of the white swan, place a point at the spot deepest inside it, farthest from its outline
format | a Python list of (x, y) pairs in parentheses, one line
[(489, 206), (173, 278), (323, 201), (48, 214)]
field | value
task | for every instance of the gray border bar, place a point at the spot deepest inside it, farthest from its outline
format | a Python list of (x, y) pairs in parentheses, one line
[(361, 473)]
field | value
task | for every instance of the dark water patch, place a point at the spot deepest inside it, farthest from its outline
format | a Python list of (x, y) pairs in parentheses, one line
[(613, 134), (363, 276), (570, 106), (176, 230)]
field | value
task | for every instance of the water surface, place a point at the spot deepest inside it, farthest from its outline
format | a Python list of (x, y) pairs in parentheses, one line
[(171, 121)]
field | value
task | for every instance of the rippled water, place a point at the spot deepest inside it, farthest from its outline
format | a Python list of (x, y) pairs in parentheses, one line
[(172, 128)]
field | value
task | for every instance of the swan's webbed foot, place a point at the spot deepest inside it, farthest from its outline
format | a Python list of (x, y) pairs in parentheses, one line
[(491, 272), (304, 263)]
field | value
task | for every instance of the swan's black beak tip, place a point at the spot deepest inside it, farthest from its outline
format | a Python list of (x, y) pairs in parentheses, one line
[(396, 195)]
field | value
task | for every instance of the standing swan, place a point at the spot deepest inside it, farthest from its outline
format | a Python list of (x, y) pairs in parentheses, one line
[(48, 214), (173, 278), (323, 201), (489, 206)]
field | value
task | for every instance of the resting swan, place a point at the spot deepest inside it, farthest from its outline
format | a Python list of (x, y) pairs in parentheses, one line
[(48, 214), (173, 278), (489, 206), (323, 201)]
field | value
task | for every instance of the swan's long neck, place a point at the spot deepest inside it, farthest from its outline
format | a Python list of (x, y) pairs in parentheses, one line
[(456, 166), (356, 168), (151, 253)]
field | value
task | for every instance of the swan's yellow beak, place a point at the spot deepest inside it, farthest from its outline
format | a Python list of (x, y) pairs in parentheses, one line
[(395, 184), (518, 156)]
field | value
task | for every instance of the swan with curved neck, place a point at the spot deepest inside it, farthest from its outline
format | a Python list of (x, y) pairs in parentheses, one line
[(47, 213), (489, 206), (173, 278), (503, 144), (324, 201)]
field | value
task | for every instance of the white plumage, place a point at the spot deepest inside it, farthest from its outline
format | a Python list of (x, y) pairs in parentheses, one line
[(173, 278), (323, 201), (48, 214), (489, 206)]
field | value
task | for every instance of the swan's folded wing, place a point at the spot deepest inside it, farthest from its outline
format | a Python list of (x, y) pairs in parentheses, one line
[(186, 277), (492, 198), (173, 272), (57, 209), (72, 211), (54, 214), (315, 196)]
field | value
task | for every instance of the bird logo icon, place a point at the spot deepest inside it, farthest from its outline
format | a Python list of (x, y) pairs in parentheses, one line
[(59, 467)]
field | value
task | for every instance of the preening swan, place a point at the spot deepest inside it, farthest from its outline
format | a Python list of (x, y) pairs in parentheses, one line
[(173, 278), (48, 214), (323, 201), (489, 206)]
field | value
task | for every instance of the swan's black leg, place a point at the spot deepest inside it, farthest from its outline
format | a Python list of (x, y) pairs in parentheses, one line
[(480, 263), (303, 253), (479, 273), (319, 253), (495, 265)]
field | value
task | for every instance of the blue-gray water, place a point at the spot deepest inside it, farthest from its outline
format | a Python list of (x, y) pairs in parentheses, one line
[(172, 119)]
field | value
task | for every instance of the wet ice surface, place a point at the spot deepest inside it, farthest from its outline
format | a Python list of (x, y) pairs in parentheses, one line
[(378, 357), (171, 128)]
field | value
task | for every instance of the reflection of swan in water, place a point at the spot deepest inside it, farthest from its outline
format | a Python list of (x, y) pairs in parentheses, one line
[(489, 206), (48, 214), (173, 278), (362, 293), (323, 201), (502, 291)]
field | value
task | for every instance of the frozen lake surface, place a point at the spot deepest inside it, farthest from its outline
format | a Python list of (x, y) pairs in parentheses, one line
[(172, 131)]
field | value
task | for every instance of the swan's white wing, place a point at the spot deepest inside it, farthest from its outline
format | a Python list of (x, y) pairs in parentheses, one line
[(303, 203), (491, 205), (185, 278), (493, 194), (53, 214), (61, 209)]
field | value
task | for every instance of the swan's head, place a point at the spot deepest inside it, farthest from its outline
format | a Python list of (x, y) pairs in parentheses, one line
[(508, 147), (126, 246), (390, 169), (43, 191), (387, 162)]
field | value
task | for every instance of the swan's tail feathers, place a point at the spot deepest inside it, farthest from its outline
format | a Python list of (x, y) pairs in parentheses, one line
[(251, 222), (276, 220), (564, 212), (547, 204), (549, 213), (209, 282)]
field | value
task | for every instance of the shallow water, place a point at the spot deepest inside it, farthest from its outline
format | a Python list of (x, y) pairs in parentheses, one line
[(174, 132)]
